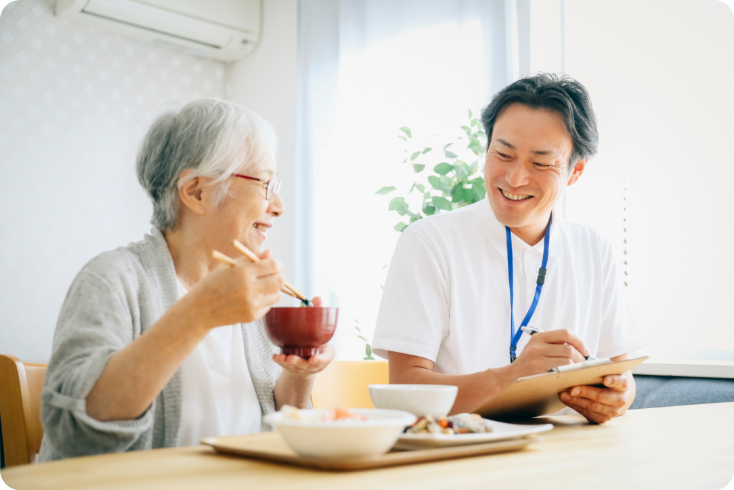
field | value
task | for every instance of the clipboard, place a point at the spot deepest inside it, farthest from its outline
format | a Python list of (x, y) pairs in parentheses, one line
[(537, 395)]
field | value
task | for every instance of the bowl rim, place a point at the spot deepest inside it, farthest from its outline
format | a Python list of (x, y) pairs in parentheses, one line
[(400, 417), (302, 307), (414, 387)]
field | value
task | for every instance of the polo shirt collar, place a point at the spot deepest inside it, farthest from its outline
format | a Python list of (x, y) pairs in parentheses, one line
[(494, 231)]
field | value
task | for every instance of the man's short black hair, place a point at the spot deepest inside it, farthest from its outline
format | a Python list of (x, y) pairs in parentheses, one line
[(560, 94)]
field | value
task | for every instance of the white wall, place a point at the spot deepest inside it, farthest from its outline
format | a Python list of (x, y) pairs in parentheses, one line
[(265, 82), (660, 74), (74, 105)]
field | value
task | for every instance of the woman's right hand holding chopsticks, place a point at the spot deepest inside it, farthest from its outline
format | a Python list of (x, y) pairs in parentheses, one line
[(238, 293)]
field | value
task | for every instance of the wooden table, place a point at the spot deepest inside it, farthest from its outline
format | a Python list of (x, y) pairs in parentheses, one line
[(689, 447)]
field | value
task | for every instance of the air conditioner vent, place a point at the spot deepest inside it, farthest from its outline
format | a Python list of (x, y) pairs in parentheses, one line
[(150, 21)]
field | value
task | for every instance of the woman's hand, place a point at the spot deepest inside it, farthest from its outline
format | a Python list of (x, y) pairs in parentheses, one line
[(240, 293), (303, 368), (296, 381)]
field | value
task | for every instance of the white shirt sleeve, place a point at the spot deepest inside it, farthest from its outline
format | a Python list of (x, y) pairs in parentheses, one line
[(618, 334), (414, 312)]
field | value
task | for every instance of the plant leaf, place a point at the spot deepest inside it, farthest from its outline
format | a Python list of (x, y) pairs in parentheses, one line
[(368, 352), (418, 167), (473, 122), (429, 209), (385, 190), (473, 195), (414, 155), (444, 148), (400, 227), (441, 203), (426, 150), (467, 130), (435, 182), (421, 188), (403, 138), (462, 171), (477, 149), (443, 168), (396, 203), (406, 130), (450, 154), (479, 191), (469, 113), (457, 193)]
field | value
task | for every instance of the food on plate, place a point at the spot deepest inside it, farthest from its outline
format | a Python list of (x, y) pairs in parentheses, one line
[(338, 413), (291, 413), (463, 423), (334, 414)]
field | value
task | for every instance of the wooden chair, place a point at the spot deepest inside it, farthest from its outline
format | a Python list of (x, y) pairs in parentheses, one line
[(20, 409), (344, 384)]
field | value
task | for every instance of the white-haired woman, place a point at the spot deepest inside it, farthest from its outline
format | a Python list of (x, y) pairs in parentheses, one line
[(156, 344)]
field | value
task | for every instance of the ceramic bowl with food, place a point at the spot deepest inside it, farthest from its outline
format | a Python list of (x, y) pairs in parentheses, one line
[(301, 330), (419, 400), (312, 436)]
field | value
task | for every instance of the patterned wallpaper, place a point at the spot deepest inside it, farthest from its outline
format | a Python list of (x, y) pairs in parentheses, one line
[(74, 105)]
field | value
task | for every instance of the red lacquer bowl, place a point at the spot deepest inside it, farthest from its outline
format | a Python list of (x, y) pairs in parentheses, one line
[(301, 330)]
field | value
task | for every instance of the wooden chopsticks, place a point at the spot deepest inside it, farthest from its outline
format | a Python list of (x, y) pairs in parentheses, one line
[(287, 289), (248, 253)]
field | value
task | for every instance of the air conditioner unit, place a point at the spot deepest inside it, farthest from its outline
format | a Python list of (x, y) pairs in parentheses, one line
[(224, 30)]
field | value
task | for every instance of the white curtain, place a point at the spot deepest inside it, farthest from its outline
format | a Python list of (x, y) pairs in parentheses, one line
[(367, 68)]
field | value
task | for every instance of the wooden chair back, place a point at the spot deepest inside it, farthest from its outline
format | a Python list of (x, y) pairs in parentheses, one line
[(344, 384), (20, 409)]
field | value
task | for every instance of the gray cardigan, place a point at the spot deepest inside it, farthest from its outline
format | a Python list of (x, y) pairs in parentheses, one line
[(114, 299)]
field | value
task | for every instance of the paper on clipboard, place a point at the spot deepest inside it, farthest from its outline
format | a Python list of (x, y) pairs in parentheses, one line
[(538, 395)]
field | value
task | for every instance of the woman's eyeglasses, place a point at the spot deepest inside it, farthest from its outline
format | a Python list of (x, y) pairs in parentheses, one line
[(271, 186)]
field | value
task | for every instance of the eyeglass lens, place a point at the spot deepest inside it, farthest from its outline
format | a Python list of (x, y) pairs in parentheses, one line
[(273, 187)]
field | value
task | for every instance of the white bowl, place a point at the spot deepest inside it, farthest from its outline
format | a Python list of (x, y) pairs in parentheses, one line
[(342, 439), (419, 400)]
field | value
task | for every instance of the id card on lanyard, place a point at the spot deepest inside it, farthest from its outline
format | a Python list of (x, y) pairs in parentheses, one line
[(515, 336)]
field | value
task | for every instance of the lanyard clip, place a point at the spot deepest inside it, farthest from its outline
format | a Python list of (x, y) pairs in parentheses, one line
[(512, 353), (541, 275)]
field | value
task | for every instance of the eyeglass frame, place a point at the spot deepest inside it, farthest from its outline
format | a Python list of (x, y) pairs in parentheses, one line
[(271, 186)]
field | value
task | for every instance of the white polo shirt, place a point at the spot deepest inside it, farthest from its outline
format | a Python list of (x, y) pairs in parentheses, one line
[(447, 296)]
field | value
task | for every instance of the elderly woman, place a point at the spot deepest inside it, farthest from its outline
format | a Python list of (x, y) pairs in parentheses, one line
[(156, 344)]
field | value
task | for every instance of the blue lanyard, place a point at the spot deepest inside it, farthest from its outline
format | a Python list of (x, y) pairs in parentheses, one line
[(515, 336)]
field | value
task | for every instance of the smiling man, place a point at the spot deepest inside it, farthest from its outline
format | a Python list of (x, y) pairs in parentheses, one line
[(461, 283)]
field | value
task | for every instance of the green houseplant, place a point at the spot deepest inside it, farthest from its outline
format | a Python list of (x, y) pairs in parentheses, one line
[(453, 183)]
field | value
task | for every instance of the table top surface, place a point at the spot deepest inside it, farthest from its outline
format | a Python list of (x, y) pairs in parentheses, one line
[(676, 447)]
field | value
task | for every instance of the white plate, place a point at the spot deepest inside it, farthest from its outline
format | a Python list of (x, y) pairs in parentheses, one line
[(502, 432)]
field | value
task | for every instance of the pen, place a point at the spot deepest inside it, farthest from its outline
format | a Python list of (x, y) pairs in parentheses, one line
[(533, 330)]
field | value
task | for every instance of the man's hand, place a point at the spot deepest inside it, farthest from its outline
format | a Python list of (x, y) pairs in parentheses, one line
[(600, 405), (547, 350)]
